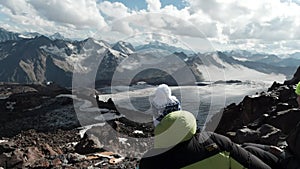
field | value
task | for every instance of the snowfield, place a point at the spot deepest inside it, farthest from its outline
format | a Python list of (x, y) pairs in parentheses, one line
[(227, 71)]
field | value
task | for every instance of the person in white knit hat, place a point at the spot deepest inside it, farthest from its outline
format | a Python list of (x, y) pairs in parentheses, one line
[(163, 103)]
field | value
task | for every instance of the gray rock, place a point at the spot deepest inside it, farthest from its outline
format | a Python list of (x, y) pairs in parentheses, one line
[(74, 157), (20, 158), (285, 120), (7, 147), (269, 134), (246, 135), (284, 93), (266, 134), (88, 144)]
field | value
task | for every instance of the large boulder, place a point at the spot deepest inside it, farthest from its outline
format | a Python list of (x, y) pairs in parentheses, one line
[(266, 134), (285, 120), (269, 134), (229, 120), (88, 144), (254, 106), (251, 108)]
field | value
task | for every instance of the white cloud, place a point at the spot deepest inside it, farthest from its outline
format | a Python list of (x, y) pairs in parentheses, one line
[(153, 5), (246, 24), (17, 7), (122, 27), (21, 16), (80, 13), (115, 10), (254, 25), (75, 20), (217, 10)]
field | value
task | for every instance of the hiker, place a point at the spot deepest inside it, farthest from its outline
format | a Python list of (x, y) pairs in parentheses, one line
[(277, 158), (163, 103), (297, 91), (177, 145)]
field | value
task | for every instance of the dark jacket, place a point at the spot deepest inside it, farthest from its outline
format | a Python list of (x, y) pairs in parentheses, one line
[(205, 150)]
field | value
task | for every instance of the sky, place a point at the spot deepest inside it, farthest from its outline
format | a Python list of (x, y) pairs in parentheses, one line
[(270, 26)]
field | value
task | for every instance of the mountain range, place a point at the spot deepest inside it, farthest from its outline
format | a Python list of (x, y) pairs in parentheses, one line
[(6, 35), (39, 59), (271, 59)]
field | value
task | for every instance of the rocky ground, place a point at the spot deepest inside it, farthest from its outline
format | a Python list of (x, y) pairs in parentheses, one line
[(67, 149), (39, 127)]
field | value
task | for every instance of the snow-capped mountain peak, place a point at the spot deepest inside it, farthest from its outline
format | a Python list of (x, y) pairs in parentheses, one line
[(123, 47), (160, 48), (57, 36), (41, 59)]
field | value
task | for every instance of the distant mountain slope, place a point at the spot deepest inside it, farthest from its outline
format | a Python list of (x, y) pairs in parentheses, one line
[(292, 60), (6, 35), (153, 69), (295, 55), (218, 66), (160, 47), (26, 61), (41, 59), (123, 47)]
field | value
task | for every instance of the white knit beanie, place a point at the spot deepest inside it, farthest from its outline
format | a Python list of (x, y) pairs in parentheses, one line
[(163, 95)]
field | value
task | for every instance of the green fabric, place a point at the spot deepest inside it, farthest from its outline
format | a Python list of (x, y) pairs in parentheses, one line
[(174, 128), (297, 91), (218, 161), (235, 164)]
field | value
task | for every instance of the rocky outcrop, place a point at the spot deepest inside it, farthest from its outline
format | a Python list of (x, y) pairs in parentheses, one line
[(267, 117)]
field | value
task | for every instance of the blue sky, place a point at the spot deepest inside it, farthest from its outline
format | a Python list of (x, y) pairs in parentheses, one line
[(141, 4), (271, 26), (132, 4)]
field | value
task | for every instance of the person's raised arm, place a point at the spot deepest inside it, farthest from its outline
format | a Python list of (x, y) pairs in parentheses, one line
[(238, 153)]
